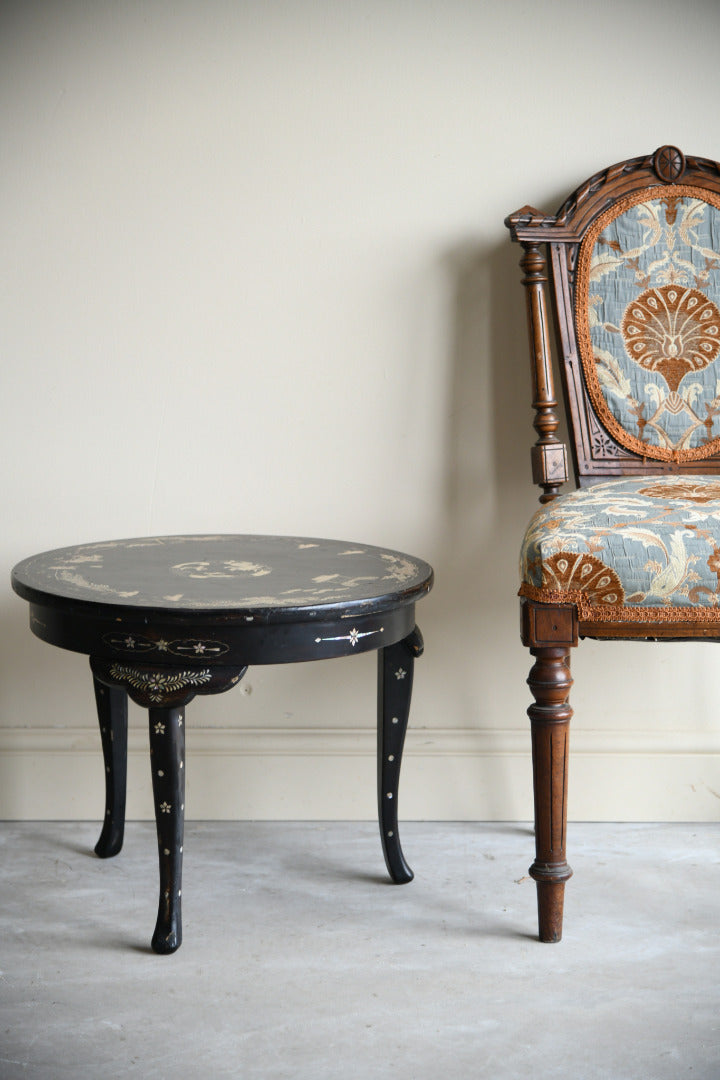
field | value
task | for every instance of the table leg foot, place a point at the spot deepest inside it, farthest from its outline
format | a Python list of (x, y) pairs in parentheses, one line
[(112, 716), (168, 930), (167, 759), (395, 678)]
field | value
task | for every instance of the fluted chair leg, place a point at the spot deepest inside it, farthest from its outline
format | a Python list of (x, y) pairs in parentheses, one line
[(550, 684)]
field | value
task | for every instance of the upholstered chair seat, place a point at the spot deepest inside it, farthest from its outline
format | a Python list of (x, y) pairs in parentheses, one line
[(640, 549)]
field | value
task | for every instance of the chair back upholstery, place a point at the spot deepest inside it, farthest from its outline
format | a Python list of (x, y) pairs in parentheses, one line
[(634, 273)]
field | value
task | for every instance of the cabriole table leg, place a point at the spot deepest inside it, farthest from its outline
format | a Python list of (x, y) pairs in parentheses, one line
[(395, 679), (167, 760), (112, 713)]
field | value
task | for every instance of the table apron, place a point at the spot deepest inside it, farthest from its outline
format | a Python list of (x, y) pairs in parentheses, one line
[(195, 640)]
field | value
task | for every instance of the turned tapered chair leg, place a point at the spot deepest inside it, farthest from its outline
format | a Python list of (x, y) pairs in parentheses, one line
[(167, 760), (550, 683), (112, 713), (395, 678)]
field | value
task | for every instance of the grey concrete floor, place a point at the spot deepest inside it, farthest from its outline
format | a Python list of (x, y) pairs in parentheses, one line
[(301, 961)]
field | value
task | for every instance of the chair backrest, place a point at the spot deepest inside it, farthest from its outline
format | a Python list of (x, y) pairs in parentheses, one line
[(634, 275)]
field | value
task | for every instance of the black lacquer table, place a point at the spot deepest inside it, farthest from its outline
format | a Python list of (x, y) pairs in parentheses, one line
[(165, 618)]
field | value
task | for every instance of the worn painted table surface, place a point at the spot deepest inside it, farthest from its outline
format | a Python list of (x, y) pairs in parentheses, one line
[(167, 617), (267, 575)]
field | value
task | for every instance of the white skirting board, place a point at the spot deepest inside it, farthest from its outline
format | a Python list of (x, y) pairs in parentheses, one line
[(329, 774)]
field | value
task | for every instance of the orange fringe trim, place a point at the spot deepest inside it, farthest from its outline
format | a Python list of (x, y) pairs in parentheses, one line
[(618, 613), (582, 291)]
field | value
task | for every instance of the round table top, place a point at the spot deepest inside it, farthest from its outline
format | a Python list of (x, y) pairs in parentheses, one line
[(227, 573)]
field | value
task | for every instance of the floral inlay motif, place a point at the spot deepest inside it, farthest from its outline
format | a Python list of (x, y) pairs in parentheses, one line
[(137, 643), (353, 637), (400, 673), (159, 684), (227, 568)]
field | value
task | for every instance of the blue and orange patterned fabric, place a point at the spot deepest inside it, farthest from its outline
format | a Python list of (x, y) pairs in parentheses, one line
[(640, 549), (648, 319)]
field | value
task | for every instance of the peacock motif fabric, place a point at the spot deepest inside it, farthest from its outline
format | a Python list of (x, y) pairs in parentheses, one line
[(648, 318), (635, 549)]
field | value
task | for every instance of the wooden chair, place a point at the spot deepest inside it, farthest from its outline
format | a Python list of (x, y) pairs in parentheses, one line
[(633, 268)]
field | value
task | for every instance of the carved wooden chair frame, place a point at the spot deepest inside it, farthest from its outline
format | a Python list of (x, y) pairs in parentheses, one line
[(551, 630)]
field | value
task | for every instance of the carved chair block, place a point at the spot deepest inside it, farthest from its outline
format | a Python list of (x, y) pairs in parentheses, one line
[(549, 464)]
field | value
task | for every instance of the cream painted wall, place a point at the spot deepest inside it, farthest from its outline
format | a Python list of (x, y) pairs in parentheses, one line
[(255, 278)]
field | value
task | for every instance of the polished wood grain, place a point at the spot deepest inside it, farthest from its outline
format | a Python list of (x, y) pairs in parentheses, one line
[(549, 459), (550, 716)]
